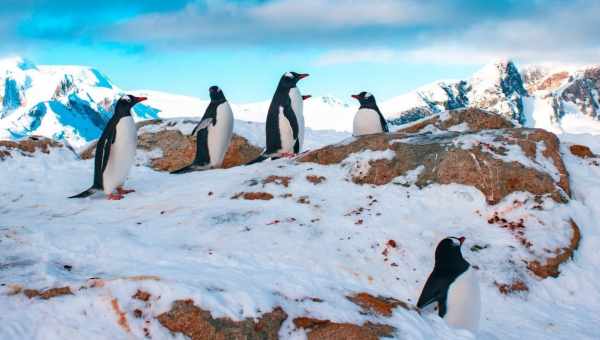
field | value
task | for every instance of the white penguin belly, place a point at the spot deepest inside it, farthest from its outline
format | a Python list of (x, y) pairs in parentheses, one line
[(219, 135), (366, 122), (298, 107), (286, 133), (464, 302), (122, 155)]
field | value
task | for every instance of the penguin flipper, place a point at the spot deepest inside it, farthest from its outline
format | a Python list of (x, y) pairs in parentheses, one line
[(89, 192), (190, 168), (204, 123), (435, 289)]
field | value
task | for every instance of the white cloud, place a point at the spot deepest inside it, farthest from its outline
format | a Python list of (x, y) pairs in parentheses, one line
[(357, 56)]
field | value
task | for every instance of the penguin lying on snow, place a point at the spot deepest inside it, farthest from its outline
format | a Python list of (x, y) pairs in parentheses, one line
[(115, 151), (368, 119), (453, 284), (213, 134), (285, 119)]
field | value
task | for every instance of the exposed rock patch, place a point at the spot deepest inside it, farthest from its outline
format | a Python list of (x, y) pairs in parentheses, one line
[(278, 180), (551, 266), (315, 179), (581, 151), (475, 120), (27, 146), (178, 150), (328, 330), (47, 294), (378, 305), (265, 196), (188, 319)]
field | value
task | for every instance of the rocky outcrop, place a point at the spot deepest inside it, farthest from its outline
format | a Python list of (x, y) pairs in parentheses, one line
[(469, 119), (476, 158), (186, 318), (175, 149), (378, 305), (28, 146), (328, 330)]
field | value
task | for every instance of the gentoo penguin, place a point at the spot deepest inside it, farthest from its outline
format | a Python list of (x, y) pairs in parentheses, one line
[(454, 285), (214, 133), (368, 119), (285, 120), (115, 151)]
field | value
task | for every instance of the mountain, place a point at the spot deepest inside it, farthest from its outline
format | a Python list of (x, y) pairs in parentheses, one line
[(556, 99), (73, 103)]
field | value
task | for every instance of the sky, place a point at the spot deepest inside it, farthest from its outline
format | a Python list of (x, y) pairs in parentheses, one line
[(387, 47)]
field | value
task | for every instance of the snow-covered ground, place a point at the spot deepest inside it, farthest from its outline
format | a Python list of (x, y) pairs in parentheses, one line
[(183, 237)]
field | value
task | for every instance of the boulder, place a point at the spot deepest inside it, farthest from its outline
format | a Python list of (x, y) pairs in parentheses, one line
[(176, 149), (28, 146), (489, 154), (186, 318), (329, 330)]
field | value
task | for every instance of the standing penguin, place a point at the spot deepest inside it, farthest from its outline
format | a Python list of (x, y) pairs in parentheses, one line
[(285, 119), (115, 151), (453, 284), (214, 133), (368, 119)]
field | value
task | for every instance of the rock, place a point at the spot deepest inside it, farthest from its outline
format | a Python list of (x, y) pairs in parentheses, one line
[(378, 305), (47, 294), (141, 295), (328, 330), (477, 159), (265, 196), (277, 180), (186, 318), (551, 265), (178, 150), (27, 146), (314, 179), (581, 151), (475, 120), (514, 287)]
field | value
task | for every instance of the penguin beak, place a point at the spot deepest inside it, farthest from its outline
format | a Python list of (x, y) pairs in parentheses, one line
[(302, 75), (305, 97), (461, 240), (355, 96), (140, 99)]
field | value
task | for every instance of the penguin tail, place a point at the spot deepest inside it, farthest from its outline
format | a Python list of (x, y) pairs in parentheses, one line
[(258, 159), (89, 192), (191, 168)]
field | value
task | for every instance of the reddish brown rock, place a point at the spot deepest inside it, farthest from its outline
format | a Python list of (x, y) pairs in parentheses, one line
[(265, 196), (551, 265), (475, 119), (511, 288), (179, 150), (445, 162), (328, 330), (197, 324), (314, 179), (141, 295), (47, 294), (553, 81), (581, 151), (278, 180), (27, 146), (378, 305)]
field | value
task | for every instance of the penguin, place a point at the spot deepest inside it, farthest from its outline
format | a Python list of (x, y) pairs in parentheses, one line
[(368, 119), (454, 285), (115, 151), (285, 119), (213, 134)]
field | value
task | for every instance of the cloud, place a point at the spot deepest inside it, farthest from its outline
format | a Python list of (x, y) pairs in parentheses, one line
[(378, 55)]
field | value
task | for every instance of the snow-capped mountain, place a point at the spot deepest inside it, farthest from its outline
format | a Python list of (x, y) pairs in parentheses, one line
[(73, 103), (556, 99)]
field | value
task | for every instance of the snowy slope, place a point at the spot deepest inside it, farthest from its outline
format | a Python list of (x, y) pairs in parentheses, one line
[(182, 237)]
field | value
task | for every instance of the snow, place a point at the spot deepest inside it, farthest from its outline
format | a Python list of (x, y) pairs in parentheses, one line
[(241, 258)]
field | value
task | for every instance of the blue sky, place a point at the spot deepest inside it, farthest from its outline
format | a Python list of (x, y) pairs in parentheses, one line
[(384, 46)]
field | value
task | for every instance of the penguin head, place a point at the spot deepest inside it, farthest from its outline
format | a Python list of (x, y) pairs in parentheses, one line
[(290, 79), (126, 102), (216, 94), (365, 98), (447, 253)]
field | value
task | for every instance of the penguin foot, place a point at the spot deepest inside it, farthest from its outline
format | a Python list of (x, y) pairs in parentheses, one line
[(115, 197), (287, 155), (122, 191)]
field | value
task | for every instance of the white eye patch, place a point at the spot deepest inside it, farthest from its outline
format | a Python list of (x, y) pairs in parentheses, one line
[(289, 75), (126, 98), (367, 95), (455, 241)]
